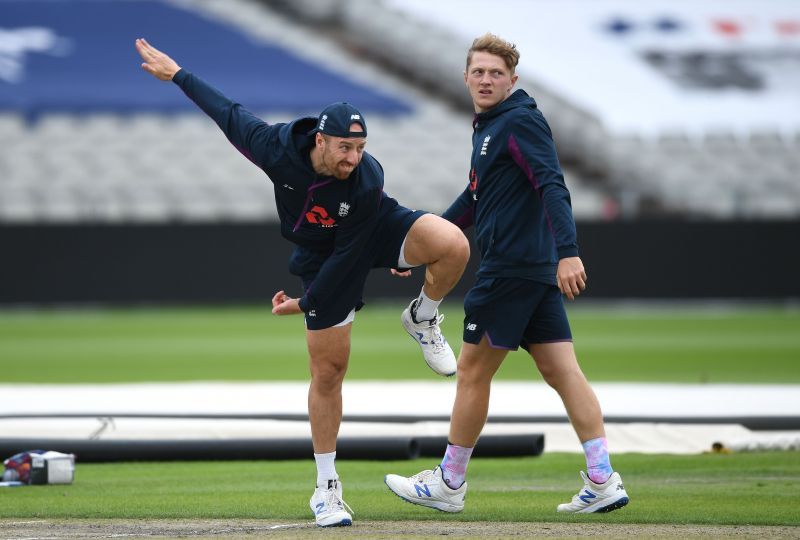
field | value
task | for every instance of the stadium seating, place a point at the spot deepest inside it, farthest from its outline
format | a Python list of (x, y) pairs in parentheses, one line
[(733, 173), (160, 160), (145, 164)]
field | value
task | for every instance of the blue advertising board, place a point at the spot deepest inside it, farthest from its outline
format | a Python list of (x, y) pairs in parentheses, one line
[(78, 56)]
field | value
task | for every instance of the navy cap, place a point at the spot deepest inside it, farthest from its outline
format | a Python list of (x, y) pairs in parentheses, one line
[(336, 120)]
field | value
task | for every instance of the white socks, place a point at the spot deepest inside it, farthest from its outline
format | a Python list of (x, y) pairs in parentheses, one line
[(425, 309), (326, 468)]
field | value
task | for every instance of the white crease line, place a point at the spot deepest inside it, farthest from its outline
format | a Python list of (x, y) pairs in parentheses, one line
[(37, 538), (290, 525)]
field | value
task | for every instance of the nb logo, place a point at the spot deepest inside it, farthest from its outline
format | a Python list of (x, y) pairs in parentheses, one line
[(472, 327), (312, 313), (587, 496), (320, 508), (355, 117), (322, 122), (422, 490)]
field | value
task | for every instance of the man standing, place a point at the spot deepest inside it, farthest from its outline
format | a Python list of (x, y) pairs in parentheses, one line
[(331, 204), (521, 209)]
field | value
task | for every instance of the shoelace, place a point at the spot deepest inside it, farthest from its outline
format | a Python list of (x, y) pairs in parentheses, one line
[(422, 477), (437, 339), (332, 500)]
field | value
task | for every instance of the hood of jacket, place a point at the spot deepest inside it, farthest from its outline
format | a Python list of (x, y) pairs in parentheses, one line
[(516, 100)]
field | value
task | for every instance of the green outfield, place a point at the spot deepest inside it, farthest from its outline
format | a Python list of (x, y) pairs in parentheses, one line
[(737, 489), (659, 344)]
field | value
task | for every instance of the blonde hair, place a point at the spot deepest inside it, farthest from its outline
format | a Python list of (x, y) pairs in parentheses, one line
[(497, 46)]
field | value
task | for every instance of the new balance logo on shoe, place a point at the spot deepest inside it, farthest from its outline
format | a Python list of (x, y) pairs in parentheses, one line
[(435, 349), (605, 497), (328, 507), (423, 489), (428, 489)]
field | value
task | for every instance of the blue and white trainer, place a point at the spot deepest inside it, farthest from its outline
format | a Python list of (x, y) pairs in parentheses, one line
[(428, 488), (329, 508), (437, 352), (604, 497)]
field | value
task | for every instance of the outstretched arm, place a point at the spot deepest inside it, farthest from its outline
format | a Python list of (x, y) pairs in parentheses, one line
[(254, 138), (156, 63)]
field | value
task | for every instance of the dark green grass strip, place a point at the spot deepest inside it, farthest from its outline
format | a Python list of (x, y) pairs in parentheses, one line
[(737, 489)]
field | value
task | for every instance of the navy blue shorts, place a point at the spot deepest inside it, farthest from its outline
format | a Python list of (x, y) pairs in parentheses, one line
[(381, 251), (514, 312)]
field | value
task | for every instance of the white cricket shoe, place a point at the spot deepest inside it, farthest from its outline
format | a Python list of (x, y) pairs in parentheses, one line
[(593, 497), (437, 352), (329, 508), (428, 488)]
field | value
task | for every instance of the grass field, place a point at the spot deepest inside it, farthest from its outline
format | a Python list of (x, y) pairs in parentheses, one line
[(736, 489), (651, 344), (666, 344)]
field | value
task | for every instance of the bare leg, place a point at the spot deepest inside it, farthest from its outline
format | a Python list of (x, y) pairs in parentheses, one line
[(328, 351), (559, 367), (477, 364), (441, 246)]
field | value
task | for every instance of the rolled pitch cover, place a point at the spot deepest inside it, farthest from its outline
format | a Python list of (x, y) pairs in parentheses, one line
[(101, 451), (517, 445)]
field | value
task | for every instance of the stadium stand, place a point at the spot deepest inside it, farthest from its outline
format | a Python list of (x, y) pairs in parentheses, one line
[(80, 145), (664, 106)]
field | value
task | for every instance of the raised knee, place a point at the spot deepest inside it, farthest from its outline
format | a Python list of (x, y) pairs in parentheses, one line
[(458, 245)]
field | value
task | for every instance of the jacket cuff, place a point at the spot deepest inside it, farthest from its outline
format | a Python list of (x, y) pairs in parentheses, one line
[(179, 76), (303, 303), (567, 251)]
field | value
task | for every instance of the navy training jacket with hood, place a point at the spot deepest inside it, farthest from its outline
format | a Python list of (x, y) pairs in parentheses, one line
[(321, 214), (516, 197)]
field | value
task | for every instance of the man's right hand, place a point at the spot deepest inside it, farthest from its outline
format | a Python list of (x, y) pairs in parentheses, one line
[(156, 63)]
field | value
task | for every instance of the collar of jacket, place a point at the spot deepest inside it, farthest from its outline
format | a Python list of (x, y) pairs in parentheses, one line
[(518, 99)]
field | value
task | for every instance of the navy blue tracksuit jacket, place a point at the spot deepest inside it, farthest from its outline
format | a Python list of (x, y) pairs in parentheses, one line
[(516, 198), (322, 214)]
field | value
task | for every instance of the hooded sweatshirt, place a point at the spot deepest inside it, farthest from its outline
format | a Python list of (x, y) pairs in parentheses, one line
[(322, 215), (516, 197)]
